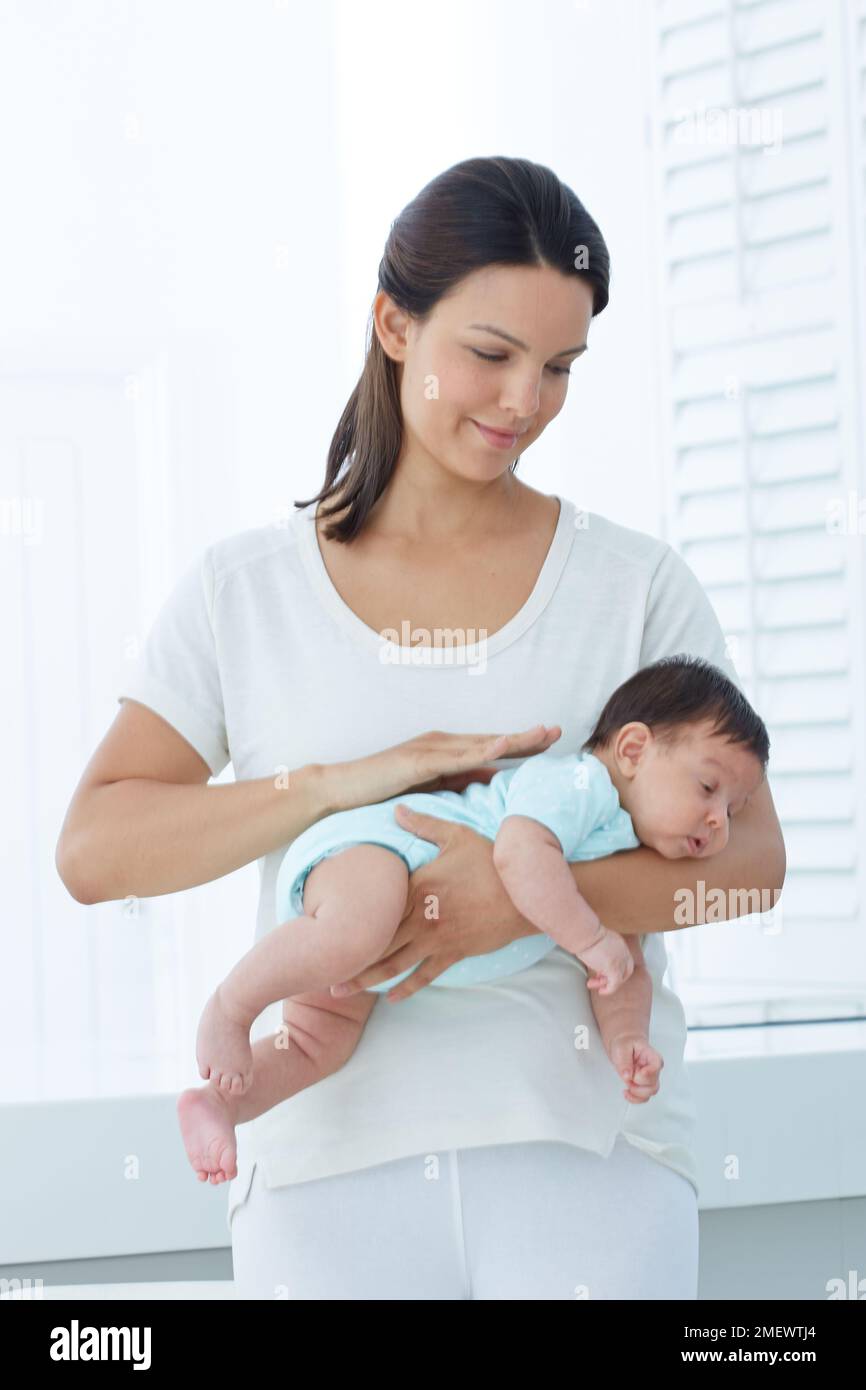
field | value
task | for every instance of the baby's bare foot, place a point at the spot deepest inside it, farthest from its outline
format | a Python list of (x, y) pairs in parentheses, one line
[(208, 1130), (222, 1047)]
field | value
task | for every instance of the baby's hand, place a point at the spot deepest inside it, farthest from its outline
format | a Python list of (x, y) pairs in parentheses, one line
[(611, 958), (638, 1064)]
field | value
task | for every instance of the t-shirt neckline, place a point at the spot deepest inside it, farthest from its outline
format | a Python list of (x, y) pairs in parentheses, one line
[(428, 656)]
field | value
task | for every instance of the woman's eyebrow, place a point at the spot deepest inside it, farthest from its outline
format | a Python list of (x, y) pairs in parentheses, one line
[(500, 333)]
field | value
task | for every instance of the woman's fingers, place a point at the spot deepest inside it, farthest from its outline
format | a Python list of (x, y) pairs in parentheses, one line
[(486, 746), (438, 755), (408, 955), (425, 973), (482, 748), (433, 828), (528, 736), (372, 975), (532, 740), (346, 987), (494, 745), (455, 781)]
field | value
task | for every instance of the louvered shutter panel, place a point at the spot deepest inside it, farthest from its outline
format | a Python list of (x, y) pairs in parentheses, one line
[(762, 444)]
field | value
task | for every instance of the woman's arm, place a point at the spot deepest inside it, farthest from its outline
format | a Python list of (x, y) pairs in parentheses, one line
[(458, 906), (142, 822)]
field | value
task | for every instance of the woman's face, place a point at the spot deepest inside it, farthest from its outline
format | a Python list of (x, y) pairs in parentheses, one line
[(448, 383)]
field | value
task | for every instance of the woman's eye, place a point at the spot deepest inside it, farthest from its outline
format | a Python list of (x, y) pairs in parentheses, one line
[(491, 357)]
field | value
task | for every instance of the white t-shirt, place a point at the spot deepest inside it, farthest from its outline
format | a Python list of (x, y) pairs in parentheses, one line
[(255, 658)]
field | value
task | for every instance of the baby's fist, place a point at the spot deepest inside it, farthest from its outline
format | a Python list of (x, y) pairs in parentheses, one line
[(639, 1065), (610, 960)]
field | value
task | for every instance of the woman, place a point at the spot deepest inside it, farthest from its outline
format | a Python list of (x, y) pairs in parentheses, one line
[(478, 1143)]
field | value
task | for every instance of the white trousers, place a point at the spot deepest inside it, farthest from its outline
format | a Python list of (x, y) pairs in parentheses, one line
[(521, 1221)]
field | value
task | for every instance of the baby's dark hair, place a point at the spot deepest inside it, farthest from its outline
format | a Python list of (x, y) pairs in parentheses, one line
[(678, 691)]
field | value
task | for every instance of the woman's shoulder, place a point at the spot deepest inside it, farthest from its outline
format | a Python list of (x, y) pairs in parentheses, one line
[(255, 547), (598, 535)]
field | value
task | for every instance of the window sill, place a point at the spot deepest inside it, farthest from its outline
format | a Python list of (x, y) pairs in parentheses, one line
[(172, 1291), (779, 1114)]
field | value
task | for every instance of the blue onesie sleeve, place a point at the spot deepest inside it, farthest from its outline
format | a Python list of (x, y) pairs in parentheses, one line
[(571, 794)]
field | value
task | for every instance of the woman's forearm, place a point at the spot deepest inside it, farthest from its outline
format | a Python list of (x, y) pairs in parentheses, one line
[(638, 890), (139, 837), (143, 836)]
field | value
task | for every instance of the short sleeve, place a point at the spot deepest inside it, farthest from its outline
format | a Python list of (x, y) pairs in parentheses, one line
[(680, 618), (571, 795), (177, 674)]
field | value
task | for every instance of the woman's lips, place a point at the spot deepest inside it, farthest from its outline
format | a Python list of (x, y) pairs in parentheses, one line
[(497, 438), (694, 847)]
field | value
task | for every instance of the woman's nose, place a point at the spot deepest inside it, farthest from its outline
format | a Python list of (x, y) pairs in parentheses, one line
[(523, 397)]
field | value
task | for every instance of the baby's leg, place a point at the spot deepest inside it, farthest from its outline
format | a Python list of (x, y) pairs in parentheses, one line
[(353, 904), (319, 1036)]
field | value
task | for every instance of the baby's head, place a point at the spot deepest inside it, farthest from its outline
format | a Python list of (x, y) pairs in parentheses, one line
[(685, 751)]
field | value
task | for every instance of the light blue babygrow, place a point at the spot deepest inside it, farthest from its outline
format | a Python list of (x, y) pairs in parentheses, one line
[(571, 793)]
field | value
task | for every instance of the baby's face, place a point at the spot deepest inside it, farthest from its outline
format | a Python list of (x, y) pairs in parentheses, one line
[(681, 799)]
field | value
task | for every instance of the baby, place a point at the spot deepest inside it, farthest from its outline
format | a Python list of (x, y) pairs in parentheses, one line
[(676, 751)]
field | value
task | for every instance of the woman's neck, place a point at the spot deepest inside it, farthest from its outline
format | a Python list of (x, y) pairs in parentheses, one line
[(449, 512)]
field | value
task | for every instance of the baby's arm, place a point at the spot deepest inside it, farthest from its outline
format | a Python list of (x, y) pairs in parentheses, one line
[(528, 858), (623, 1023), (626, 1013)]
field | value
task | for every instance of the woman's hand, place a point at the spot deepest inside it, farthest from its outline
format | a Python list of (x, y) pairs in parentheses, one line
[(429, 762), (473, 912)]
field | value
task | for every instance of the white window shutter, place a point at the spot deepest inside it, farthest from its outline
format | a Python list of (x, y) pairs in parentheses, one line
[(758, 114)]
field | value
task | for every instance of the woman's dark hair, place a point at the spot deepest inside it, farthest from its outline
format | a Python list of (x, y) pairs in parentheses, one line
[(678, 691), (481, 212)]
